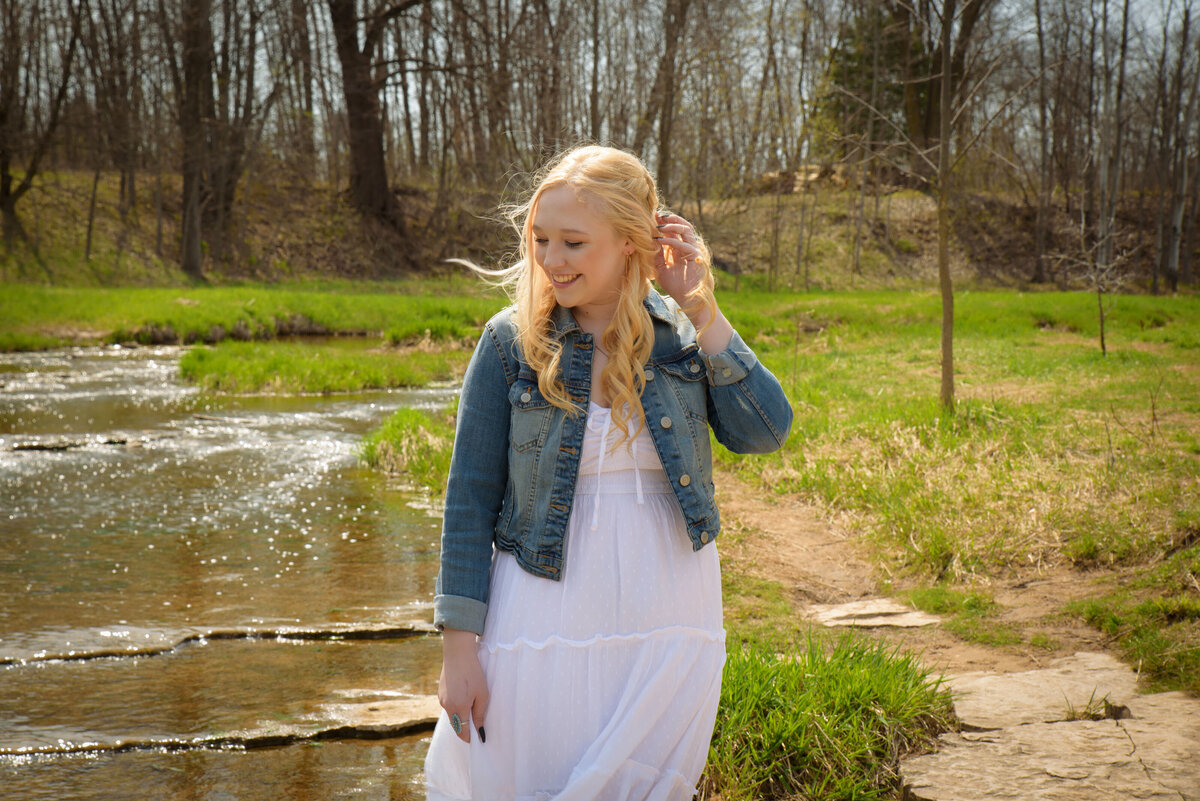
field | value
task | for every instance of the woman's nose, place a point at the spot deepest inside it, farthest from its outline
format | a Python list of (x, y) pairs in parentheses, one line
[(553, 255)]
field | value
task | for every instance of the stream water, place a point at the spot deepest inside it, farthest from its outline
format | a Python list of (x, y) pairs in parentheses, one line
[(154, 543)]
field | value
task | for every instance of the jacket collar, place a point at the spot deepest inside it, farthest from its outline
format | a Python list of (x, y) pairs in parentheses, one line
[(564, 321)]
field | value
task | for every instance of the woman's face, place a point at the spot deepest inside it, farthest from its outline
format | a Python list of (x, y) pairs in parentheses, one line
[(580, 252)]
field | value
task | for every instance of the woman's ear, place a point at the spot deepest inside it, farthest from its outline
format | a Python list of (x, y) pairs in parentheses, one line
[(628, 248)]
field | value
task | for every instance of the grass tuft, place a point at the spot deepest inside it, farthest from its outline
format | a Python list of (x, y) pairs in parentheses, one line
[(414, 442), (821, 718)]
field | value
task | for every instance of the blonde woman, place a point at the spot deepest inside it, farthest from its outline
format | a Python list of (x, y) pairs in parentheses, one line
[(580, 593)]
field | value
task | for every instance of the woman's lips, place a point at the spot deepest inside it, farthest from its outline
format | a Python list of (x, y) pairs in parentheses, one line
[(563, 280)]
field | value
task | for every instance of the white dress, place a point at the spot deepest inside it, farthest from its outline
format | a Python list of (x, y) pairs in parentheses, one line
[(604, 685)]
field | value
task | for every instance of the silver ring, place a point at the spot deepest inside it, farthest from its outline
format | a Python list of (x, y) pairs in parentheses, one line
[(456, 723)]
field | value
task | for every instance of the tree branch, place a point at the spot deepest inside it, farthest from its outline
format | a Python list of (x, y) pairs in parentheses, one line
[(380, 18)]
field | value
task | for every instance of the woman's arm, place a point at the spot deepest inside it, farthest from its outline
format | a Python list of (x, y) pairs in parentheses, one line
[(474, 494), (475, 488), (747, 408)]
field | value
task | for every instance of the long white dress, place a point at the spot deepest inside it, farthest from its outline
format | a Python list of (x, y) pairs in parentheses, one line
[(604, 685)]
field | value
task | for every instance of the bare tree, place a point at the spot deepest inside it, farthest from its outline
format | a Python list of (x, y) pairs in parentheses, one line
[(368, 174), (34, 34)]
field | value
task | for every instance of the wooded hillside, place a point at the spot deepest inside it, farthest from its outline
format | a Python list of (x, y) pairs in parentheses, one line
[(1072, 128)]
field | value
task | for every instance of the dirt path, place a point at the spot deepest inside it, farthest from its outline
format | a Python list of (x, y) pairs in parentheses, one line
[(785, 540)]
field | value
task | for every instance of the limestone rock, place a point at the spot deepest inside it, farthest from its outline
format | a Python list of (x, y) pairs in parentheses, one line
[(1024, 746), (1077, 761), (387, 717), (996, 700), (869, 613)]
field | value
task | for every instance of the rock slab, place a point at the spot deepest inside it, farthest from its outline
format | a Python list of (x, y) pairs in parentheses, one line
[(1069, 685), (1026, 747), (870, 613)]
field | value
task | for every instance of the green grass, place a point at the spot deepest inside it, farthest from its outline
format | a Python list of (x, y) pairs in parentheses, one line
[(279, 367), (753, 607), (1057, 455), (1154, 617), (822, 718), (416, 443), (969, 614), (39, 316), (1042, 417)]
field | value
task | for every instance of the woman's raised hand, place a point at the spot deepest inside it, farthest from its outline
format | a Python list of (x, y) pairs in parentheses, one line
[(679, 272), (462, 688)]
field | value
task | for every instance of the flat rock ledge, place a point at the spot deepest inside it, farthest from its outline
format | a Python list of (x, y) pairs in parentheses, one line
[(373, 720), (869, 613), (135, 641), (1033, 736)]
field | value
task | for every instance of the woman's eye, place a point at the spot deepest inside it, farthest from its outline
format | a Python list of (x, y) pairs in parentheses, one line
[(572, 244), (540, 241)]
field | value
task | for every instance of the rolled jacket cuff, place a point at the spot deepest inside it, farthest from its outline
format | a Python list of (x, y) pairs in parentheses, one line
[(459, 612), (732, 364)]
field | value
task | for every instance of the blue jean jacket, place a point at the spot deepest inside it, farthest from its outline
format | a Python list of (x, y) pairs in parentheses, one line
[(516, 456)]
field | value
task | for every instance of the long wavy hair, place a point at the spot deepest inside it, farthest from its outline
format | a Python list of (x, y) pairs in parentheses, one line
[(622, 191)]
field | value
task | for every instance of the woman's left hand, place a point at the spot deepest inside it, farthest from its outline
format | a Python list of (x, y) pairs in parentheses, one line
[(678, 270)]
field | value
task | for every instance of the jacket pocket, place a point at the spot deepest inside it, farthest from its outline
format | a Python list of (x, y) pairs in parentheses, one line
[(530, 415), (689, 382)]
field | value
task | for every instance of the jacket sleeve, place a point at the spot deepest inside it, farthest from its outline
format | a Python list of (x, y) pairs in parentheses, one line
[(747, 407), (475, 488)]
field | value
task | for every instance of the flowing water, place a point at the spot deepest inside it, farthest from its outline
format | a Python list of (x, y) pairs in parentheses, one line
[(177, 568)]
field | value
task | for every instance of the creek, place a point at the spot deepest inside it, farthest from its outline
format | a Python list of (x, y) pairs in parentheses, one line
[(182, 574)]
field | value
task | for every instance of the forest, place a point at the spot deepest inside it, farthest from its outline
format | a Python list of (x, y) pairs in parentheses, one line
[(182, 132)]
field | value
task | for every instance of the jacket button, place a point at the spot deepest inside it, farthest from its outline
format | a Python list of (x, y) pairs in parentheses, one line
[(665, 422), (695, 368), (684, 480), (726, 372), (704, 538), (526, 397), (649, 374)]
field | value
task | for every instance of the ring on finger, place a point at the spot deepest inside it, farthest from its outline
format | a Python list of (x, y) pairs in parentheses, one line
[(456, 723)]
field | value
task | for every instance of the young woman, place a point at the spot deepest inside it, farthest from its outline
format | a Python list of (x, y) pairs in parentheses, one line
[(579, 593)]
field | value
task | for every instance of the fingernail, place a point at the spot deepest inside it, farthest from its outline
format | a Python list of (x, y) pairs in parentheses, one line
[(663, 225), (482, 736)]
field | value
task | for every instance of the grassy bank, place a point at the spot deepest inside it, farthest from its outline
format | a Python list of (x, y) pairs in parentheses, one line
[(1058, 458), (292, 368), (450, 307)]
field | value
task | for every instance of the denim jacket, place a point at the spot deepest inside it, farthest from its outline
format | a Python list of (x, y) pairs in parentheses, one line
[(516, 456)]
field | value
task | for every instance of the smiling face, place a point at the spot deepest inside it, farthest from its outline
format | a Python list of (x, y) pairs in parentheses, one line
[(581, 254)]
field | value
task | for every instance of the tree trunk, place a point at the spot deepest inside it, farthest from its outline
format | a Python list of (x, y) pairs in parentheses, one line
[(1043, 196), (943, 211), (302, 55), (368, 175), (197, 66)]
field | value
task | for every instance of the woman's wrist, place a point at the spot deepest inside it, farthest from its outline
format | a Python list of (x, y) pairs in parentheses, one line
[(713, 331), (458, 641)]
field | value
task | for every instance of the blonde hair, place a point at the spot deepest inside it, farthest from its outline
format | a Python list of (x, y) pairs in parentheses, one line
[(622, 191)]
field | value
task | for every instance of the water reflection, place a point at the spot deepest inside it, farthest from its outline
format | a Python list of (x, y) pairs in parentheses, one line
[(210, 512)]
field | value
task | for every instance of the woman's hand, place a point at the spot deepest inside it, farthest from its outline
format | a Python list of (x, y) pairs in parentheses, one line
[(462, 689), (680, 272)]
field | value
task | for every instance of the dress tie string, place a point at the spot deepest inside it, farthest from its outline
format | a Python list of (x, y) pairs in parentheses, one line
[(600, 470)]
